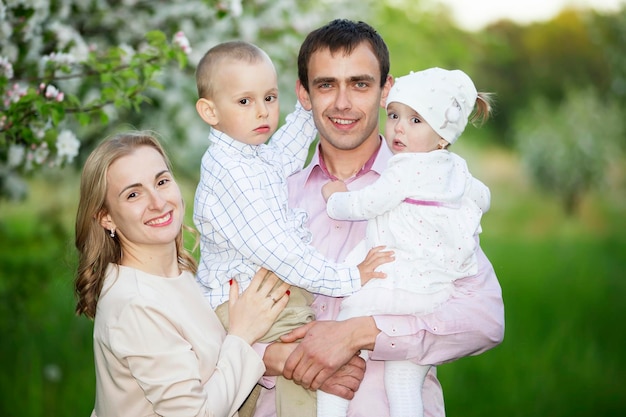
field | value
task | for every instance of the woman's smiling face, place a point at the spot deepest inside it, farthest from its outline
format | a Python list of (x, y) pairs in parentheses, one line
[(144, 202)]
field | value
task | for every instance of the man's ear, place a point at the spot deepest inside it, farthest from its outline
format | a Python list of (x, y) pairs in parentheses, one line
[(385, 92), (206, 110), (303, 96)]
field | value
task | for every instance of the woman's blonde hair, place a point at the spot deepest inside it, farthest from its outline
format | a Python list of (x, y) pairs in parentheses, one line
[(96, 248)]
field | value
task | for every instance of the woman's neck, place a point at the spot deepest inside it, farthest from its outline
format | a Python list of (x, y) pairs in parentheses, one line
[(153, 260)]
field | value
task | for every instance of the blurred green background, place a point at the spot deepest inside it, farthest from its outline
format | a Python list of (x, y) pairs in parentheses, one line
[(553, 156)]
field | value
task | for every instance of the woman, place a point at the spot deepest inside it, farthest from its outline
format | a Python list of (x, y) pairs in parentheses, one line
[(159, 348)]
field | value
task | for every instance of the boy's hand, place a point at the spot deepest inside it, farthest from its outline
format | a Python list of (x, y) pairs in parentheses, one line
[(375, 257)]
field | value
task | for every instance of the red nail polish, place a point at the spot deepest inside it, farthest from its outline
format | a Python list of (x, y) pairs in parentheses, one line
[(288, 292), (231, 282)]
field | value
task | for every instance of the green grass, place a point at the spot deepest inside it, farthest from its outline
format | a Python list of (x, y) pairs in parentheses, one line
[(562, 280)]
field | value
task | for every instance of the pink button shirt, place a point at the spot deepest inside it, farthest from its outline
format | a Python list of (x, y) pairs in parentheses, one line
[(469, 323)]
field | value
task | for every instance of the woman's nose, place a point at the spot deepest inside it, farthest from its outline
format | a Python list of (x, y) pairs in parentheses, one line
[(157, 200)]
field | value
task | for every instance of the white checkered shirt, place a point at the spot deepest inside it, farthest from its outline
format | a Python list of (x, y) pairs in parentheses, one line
[(241, 211)]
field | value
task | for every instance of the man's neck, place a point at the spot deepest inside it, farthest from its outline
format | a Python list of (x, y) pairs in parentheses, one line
[(344, 164)]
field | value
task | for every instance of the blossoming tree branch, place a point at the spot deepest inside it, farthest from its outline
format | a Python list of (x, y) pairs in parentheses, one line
[(35, 107)]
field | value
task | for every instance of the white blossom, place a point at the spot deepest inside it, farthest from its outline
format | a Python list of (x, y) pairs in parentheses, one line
[(51, 92), (6, 67), (181, 40), (16, 155), (236, 8), (67, 146), (40, 153)]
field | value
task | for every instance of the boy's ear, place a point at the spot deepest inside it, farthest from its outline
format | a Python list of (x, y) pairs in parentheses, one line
[(206, 110), (303, 96)]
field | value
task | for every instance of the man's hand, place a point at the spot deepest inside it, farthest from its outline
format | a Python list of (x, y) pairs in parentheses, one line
[(325, 347), (347, 379)]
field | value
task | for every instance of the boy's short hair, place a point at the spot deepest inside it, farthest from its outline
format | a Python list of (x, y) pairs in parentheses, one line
[(233, 50)]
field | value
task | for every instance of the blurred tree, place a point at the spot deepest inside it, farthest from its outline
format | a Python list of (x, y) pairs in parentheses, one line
[(540, 60), (609, 32), (70, 70), (569, 147)]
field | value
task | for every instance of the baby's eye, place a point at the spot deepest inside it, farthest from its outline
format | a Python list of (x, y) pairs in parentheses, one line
[(392, 116), (244, 101), (415, 120)]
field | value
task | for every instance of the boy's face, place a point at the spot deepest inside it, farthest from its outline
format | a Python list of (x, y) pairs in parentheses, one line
[(246, 100), (407, 131)]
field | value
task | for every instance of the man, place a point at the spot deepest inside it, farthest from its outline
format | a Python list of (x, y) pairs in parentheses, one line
[(343, 71)]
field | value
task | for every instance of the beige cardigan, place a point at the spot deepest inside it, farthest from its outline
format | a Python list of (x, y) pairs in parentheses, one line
[(161, 351)]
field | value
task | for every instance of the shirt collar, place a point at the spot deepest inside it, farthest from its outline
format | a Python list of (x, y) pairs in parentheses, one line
[(377, 163), (229, 144)]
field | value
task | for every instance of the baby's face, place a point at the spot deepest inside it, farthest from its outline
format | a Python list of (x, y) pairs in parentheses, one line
[(406, 130), (246, 100)]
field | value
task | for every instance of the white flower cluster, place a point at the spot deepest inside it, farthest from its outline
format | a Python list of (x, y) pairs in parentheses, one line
[(181, 40), (49, 40), (67, 147), (6, 68)]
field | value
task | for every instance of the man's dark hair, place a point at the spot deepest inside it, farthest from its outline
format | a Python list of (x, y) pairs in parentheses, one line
[(342, 35)]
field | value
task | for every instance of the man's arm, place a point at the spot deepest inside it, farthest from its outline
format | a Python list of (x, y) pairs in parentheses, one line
[(471, 322), (344, 382)]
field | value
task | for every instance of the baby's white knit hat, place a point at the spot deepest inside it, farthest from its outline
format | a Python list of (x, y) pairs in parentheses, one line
[(444, 98)]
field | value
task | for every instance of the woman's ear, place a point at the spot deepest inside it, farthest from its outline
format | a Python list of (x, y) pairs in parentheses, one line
[(105, 221), (206, 110)]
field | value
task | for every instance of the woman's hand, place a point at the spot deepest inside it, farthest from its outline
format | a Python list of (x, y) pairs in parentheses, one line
[(254, 311)]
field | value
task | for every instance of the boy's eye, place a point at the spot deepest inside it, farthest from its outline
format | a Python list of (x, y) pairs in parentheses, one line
[(244, 101)]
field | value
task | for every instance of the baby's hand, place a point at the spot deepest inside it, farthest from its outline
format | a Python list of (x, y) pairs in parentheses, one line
[(332, 187), (375, 257)]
